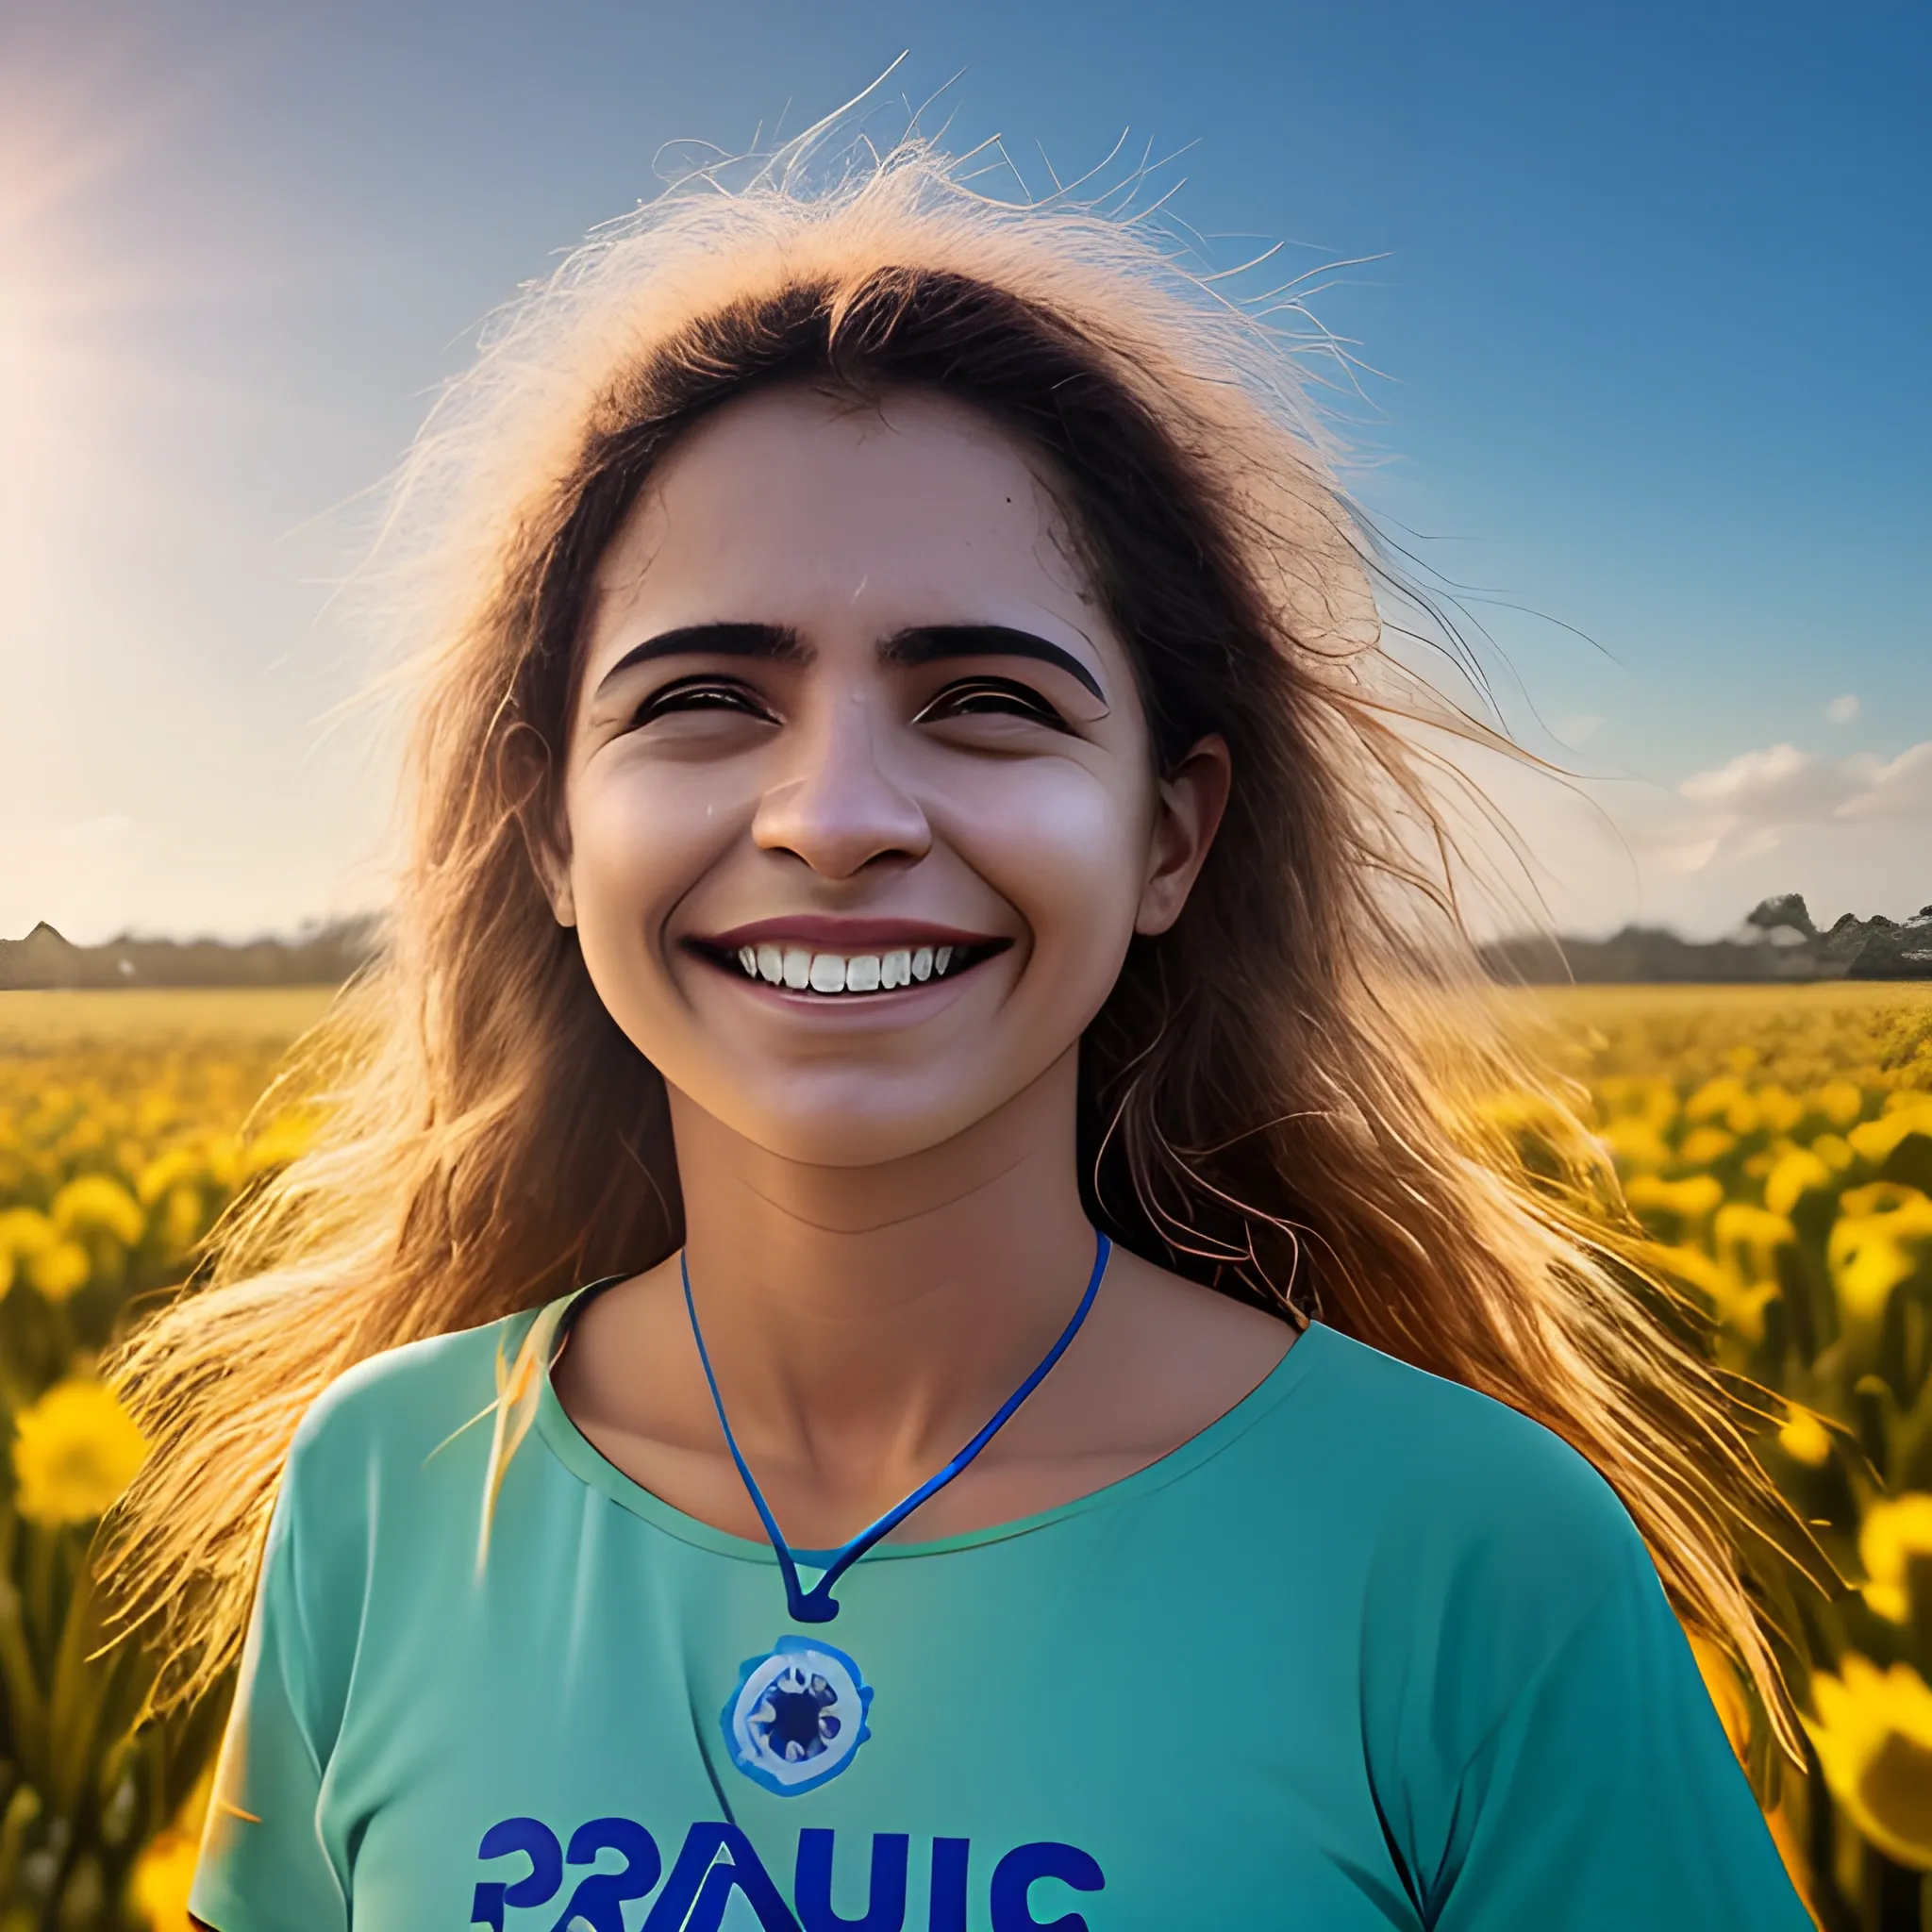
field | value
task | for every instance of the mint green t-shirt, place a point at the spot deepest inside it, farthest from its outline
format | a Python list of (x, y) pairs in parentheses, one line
[(1371, 1651)]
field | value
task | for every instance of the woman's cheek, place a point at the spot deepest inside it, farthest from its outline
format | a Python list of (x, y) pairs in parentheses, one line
[(640, 842), (1066, 851)]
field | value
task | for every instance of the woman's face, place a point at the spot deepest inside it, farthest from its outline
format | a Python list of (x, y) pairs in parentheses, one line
[(862, 810)]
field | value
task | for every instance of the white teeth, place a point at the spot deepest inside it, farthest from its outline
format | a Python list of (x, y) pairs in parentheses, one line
[(840, 973)]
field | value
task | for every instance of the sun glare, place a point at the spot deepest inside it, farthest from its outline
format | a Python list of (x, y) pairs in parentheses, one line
[(18, 437), (70, 135)]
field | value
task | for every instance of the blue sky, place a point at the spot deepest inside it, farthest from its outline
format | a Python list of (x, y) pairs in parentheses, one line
[(1648, 310)]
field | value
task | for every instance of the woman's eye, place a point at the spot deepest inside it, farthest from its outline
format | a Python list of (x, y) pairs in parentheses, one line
[(700, 694), (983, 698)]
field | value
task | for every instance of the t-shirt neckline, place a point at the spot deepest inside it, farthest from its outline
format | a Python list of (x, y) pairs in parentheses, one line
[(587, 1463)]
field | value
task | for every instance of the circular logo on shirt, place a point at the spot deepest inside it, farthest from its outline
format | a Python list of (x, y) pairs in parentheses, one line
[(797, 1716)]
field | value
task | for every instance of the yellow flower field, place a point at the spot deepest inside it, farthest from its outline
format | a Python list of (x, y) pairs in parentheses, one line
[(122, 1137), (1775, 1143)]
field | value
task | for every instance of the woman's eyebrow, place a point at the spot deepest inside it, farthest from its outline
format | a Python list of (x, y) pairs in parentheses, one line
[(775, 642), (933, 643)]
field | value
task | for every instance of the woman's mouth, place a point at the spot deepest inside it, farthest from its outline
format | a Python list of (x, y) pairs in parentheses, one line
[(802, 968), (816, 958)]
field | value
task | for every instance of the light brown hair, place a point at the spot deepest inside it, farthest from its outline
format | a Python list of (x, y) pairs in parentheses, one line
[(1286, 1096)]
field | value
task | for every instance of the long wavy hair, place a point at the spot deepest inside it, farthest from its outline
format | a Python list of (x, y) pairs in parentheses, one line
[(1287, 1097)]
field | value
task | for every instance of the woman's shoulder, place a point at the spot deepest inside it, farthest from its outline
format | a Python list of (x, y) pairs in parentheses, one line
[(1439, 1474), (382, 1473), (1466, 1543), (412, 1397)]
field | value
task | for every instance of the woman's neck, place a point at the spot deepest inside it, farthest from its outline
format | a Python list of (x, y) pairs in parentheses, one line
[(884, 1311), (865, 1323)]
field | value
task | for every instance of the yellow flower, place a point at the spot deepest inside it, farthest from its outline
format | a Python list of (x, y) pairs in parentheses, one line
[(1689, 1199), (1702, 1146), (24, 1232), (1839, 1102), (1874, 1243), (1873, 1736), (75, 1451), (1653, 1100), (1835, 1151), (98, 1203), (159, 1884), (1740, 1229), (182, 1219), (1796, 1174), (1687, 1264), (1716, 1098), (58, 1270), (1805, 1440), (165, 1171), (1893, 1532), (223, 1155), (1634, 1140), (1874, 1140)]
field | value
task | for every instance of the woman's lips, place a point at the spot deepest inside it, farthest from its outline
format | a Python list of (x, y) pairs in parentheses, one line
[(820, 933)]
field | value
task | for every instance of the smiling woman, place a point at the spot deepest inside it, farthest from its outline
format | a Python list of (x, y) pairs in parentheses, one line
[(911, 1046)]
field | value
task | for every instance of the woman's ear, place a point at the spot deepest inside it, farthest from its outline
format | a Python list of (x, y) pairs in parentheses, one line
[(1187, 815), (525, 766), (553, 873)]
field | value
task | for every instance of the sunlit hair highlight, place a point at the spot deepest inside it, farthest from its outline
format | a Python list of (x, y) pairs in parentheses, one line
[(1288, 1096)]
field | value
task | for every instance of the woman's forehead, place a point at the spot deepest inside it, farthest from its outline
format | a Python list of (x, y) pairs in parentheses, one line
[(800, 507)]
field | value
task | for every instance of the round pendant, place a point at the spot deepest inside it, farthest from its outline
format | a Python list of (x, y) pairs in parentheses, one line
[(797, 1717)]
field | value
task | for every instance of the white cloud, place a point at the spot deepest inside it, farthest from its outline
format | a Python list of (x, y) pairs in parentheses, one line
[(1778, 786), (1899, 789), (1842, 710), (1781, 786), (1780, 819)]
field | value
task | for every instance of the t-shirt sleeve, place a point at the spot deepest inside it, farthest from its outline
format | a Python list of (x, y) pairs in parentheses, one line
[(1607, 1794), (263, 1866)]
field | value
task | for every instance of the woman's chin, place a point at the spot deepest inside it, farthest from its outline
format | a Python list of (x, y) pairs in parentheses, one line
[(849, 1141), (845, 1123)]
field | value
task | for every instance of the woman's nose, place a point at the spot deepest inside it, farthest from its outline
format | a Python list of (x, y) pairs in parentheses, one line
[(832, 802)]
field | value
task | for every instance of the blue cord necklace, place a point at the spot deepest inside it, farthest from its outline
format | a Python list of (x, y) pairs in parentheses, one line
[(799, 1712)]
